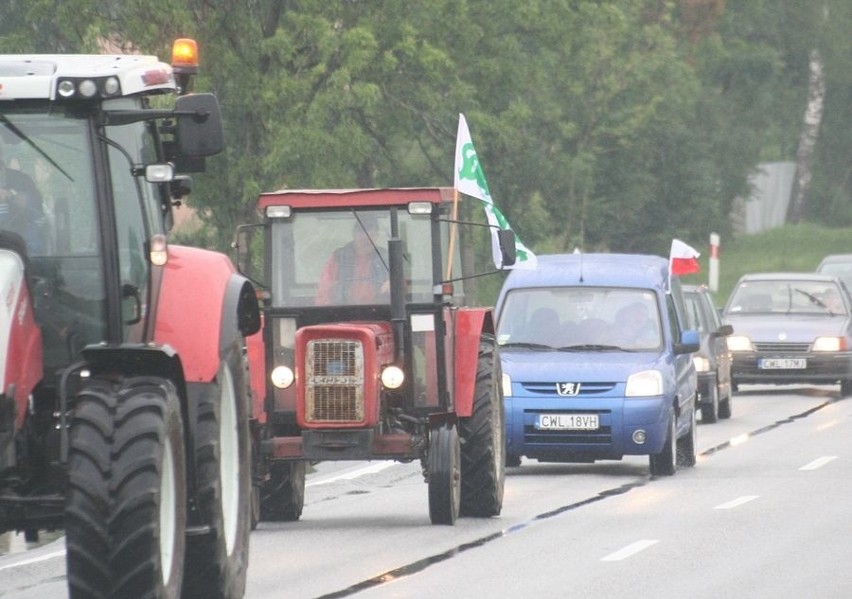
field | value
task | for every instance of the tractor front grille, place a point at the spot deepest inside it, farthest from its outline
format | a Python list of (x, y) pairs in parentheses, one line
[(334, 385)]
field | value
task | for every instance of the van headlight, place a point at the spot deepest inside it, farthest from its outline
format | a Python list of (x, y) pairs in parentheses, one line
[(507, 385), (644, 384)]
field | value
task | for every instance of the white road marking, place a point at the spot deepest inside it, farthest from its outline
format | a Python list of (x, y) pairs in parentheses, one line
[(34, 560), (631, 549), (819, 462), (370, 469), (736, 502)]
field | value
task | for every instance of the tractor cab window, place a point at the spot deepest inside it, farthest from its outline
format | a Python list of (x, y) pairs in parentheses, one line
[(340, 258), (56, 217)]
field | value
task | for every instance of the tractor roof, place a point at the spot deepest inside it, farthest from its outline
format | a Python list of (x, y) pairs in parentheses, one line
[(347, 198)]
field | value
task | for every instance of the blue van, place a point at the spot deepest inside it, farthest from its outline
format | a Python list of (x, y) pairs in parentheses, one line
[(596, 364)]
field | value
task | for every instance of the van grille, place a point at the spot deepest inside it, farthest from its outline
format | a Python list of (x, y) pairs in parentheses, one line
[(334, 385)]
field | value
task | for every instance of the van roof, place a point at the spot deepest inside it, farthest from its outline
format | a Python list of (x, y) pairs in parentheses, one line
[(623, 270)]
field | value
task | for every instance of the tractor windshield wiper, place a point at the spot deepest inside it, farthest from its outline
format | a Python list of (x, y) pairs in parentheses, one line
[(24, 137)]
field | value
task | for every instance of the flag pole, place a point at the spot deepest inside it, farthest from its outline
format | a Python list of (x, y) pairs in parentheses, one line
[(452, 235)]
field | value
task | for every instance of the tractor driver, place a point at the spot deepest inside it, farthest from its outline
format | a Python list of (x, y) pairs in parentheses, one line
[(21, 207), (357, 272)]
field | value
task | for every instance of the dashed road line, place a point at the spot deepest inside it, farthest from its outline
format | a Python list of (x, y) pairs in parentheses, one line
[(736, 502), (819, 462), (629, 550)]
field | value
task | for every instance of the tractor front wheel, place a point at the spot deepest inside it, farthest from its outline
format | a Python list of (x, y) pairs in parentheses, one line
[(282, 497), (126, 499), (444, 470)]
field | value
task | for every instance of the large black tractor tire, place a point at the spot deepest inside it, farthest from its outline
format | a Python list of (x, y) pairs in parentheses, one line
[(665, 462), (444, 470), (483, 439), (216, 562), (282, 497), (126, 497)]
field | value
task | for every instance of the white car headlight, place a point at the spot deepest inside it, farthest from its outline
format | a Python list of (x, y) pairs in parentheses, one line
[(829, 344), (739, 343), (507, 385), (644, 384), (702, 364)]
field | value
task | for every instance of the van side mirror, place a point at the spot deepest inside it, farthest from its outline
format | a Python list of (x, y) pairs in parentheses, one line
[(508, 250), (689, 343), (724, 331)]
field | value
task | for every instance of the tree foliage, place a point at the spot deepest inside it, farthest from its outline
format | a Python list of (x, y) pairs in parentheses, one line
[(600, 124)]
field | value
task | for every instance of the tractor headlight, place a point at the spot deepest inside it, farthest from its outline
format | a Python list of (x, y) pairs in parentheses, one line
[(282, 376), (393, 377)]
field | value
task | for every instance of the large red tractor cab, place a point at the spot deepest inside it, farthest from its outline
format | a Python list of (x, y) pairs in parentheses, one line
[(369, 349), (124, 414)]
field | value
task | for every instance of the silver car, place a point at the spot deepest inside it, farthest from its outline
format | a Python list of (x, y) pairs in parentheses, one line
[(790, 328)]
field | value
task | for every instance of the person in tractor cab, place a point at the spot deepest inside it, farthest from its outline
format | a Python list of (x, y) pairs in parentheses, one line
[(357, 272), (21, 206)]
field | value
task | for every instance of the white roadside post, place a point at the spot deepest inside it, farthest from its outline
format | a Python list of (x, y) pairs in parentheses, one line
[(713, 282)]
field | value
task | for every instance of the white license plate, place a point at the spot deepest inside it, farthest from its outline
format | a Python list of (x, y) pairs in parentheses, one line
[(567, 422), (783, 363)]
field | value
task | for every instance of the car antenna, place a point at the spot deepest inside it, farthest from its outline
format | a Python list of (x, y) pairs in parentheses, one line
[(577, 251)]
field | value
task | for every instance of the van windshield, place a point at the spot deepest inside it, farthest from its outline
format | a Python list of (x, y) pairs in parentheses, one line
[(581, 319)]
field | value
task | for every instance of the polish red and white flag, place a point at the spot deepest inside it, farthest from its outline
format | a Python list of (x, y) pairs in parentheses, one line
[(683, 259)]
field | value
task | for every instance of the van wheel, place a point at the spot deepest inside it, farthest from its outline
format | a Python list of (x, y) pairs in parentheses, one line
[(686, 445), (665, 462), (725, 405), (710, 411)]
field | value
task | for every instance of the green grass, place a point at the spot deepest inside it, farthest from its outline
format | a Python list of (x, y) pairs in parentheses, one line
[(792, 248)]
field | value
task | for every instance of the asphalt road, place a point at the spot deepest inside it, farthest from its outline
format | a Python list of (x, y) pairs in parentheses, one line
[(765, 513)]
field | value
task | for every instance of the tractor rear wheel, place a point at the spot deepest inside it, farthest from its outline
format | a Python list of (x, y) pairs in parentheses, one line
[(216, 562), (126, 499), (483, 445), (444, 469), (282, 497)]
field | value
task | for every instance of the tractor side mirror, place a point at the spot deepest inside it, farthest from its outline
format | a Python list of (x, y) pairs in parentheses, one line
[(199, 125)]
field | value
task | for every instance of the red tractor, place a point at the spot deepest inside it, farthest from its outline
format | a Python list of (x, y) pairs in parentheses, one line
[(368, 351), (124, 407)]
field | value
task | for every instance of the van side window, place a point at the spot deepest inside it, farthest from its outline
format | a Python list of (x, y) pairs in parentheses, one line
[(674, 323)]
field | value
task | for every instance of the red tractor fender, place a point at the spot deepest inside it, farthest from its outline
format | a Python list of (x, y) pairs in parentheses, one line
[(203, 308), (256, 352), (469, 324), (20, 336)]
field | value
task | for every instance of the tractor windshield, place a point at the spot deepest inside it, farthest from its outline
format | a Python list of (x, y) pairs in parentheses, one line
[(340, 258)]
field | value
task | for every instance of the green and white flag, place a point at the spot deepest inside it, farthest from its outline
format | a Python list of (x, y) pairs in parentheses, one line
[(470, 180)]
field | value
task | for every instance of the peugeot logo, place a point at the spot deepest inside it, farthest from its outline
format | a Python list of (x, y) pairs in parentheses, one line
[(567, 389), (782, 336)]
